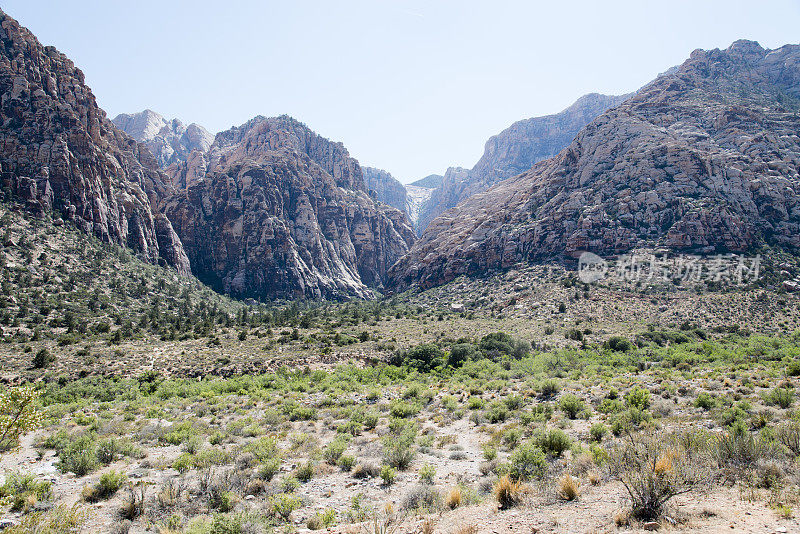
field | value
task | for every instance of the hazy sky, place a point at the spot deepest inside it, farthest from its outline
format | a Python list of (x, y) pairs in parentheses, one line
[(409, 86)]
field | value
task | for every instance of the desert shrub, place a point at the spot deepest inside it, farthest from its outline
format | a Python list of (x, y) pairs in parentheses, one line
[(334, 450), (638, 398), (388, 475), (269, 468), (739, 448), (618, 344), (629, 419), (549, 388), (403, 409), (24, 491), (705, 401), (304, 472), (423, 497), (454, 498), (264, 449), (78, 455), (571, 405), (424, 357), (346, 462), (61, 519), (780, 396), (498, 344), (43, 358), (106, 487), (283, 504), (399, 446), (527, 462), (370, 420), (597, 431), (323, 519), (497, 412), (427, 474), (553, 441), (460, 353), (788, 434), (654, 468)]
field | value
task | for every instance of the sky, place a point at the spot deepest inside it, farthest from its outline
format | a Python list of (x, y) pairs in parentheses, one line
[(411, 87)]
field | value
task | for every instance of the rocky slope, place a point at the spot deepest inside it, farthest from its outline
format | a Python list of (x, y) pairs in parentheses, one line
[(704, 159), (387, 188), (59, 152), (168, 140), (282, 213), (514, 150)]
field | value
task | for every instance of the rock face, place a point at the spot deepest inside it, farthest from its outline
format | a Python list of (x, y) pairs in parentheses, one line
[(387, 188), (703, 159), (168, 140), (284, 213), (58, 151), (514, 150)]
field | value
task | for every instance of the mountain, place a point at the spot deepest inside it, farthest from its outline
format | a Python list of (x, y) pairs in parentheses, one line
[(60, 153), (705, 159), (386, 187), (432, 181), (282, 212), (514, 150), (168, 140)]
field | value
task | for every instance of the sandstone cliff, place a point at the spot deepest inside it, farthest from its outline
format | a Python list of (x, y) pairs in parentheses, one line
[(284, 213), (703, 159), (58, 151), (387, 188), (514, 150), (168, 140)]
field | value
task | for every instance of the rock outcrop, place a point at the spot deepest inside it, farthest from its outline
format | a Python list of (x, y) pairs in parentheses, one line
[(514, 150), (58, 151), (284, 213), (168, 140), (385, 187), (704, 159)]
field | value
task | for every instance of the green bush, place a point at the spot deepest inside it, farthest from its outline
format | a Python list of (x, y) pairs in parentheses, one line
[(79, 456), (553, 441), (460, 353), (43, 359), (571, 405), (528, 461), (780, 396), (399, 447), (598, 431), (705, 401), (638, 398)]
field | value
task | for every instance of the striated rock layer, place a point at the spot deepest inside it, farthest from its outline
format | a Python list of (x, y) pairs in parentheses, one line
[(283, 213), (703, 159), (385, 187), (514, 150), (58, 151)]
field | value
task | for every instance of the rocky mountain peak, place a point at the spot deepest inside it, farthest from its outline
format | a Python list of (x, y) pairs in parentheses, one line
[(515, 150), (60, 153), (703, 159), (274, 210), (168, 140)]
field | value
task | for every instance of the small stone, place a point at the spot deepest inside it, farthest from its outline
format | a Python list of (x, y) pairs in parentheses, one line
[(651, 525)]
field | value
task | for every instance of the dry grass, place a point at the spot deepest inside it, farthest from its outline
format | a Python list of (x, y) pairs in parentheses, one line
[(568, 487), (454, 498), (508, 493)]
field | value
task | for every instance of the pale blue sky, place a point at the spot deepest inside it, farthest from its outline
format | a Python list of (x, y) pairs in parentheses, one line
[(409, 86)]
